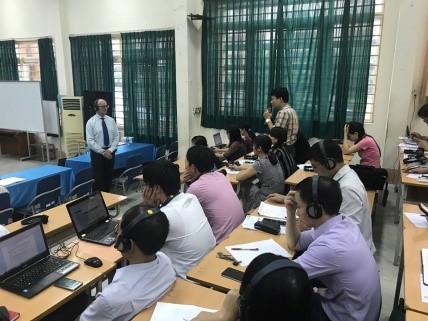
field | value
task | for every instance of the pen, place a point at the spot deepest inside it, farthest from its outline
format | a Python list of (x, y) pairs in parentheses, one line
[(242, 249)]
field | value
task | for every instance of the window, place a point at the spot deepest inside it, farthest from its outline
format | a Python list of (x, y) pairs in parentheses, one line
[(118, 92), (27, 54), (374, 60)]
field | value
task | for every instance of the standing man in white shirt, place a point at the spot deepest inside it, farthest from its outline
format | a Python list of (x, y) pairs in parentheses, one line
[(102, 137)]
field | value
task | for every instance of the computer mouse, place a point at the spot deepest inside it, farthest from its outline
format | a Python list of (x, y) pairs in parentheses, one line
[(94, 262)]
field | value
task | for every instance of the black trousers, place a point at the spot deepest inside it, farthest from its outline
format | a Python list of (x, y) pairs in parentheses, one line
[(103, 171)]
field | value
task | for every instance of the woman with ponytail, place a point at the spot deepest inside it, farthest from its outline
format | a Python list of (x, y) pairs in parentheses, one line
[(268, 171), (365, 145)]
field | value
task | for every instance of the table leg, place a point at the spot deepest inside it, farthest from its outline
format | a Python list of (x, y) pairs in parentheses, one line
[(399, 243), (399, 279)]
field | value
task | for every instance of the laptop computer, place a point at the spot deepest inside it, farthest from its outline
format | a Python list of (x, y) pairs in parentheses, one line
[(217, 141), (91, 219), (26, 268)]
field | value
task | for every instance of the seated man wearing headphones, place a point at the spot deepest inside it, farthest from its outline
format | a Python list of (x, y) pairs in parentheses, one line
[(273, 288), (149, 275), (335, 252)]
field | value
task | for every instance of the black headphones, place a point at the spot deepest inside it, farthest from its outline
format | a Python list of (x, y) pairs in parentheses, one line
[(329, 162), (314, 210), (123, 241), (244, 299), (96, 105)]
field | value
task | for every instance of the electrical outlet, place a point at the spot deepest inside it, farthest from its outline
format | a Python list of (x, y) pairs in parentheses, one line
[(197, 110), (414, 93)]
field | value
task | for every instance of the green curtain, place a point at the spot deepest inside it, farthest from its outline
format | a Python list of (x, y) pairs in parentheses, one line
[(8, 61), (318, 49), (48, 74), (92, 61), (149, 90)]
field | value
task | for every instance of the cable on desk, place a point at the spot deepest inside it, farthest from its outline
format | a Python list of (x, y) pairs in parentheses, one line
[(64, 250)]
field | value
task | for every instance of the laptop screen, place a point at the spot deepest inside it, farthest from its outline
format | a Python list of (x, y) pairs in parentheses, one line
[(217, 139), (87, 211), (21, 248)]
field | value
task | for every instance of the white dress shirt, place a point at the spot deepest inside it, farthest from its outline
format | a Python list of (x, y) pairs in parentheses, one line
[(190, 235), (95, 136), (355, 203), (134, 288)]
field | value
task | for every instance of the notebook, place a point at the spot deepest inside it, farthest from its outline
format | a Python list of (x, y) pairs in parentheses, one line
[(91, 219), (26, 268), (217, 140)]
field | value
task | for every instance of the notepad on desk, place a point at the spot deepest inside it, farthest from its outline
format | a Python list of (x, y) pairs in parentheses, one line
[(10, 181), (167, 311), (270, 210), (417, 219)]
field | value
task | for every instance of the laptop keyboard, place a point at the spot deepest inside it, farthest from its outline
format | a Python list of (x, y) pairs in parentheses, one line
[(38, 271), (102, 231)]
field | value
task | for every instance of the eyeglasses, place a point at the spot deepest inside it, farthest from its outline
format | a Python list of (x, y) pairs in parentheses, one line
[(107, 106)]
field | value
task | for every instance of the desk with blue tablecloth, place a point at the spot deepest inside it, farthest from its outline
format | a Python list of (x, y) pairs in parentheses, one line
[(21, 193), (147, 151)]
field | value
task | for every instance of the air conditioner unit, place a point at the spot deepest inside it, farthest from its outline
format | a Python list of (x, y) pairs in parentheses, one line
[(72, 123)]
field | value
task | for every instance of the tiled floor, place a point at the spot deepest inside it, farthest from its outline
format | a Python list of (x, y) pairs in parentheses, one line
[(384, 232)]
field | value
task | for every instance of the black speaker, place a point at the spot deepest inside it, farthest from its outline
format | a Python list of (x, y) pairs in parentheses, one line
[(89, 98), (314, 210)]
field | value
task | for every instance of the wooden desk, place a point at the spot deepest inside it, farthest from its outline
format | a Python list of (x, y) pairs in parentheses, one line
[(53, 297), (183, 292), (412, 316), (414, 239), (108, 253), (59, 225), (15, 142), (208, 271)]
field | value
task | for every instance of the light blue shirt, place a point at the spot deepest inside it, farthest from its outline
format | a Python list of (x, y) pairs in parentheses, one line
[(95, 136), (338, 255), (134, 288)]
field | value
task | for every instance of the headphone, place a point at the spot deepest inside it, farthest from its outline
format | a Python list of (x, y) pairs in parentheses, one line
[(314, 210), (96, 105), (123, 241), (329, 162), (243, 300)]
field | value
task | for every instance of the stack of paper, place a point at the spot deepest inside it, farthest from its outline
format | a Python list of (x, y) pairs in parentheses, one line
[(169, 311), (270, 210), (248, 251)]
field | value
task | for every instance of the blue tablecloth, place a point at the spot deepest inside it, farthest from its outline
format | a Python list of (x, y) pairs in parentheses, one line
[(147, 151), (23, 192)]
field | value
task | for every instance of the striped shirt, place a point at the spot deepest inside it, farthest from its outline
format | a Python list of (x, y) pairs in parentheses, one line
[(287, 118)]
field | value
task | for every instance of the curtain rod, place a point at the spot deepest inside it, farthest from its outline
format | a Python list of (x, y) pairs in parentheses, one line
[(117, 32)]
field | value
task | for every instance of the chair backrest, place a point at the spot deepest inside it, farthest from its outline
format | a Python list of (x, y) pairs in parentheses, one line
[(133, 168), (173, 151), (47, 194), (83, 181), (161, 152), (5, 209), (133, 161)]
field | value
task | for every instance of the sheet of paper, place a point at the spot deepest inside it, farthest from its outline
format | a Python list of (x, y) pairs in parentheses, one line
[(424, 256), (424, 291), (417, 219), (10, 181), (270, 210), (301, 166), (414, 176), (266, 246), (170, 311), (246, 161), (231, 171), (250, 220)]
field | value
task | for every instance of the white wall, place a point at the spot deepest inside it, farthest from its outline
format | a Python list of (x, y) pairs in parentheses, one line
[(404, 41)]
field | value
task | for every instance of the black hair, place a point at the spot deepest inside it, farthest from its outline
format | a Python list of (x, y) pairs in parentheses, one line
[(356, 127), (150, 233), (265, 143), (202, 157), (423, 111), (234, 135), (280, 134), (249, 130), (332, 150), (199, 140), (281, 92), (283, 294), (329, 194), (163, 173)]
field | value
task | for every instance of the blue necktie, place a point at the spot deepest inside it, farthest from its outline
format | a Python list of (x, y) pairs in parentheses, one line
[(105, 133)]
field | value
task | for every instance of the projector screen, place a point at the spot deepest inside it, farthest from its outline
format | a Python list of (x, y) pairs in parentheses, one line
[(21, 106)]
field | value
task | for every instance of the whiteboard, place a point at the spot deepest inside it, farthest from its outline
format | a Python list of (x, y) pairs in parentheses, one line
[(50, 116), (21, 106)]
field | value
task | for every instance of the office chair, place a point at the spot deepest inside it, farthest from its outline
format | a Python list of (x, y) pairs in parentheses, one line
[(133, 168), (5, 210), (173, 152), (47, 196), (83, 181), (161, 152)]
